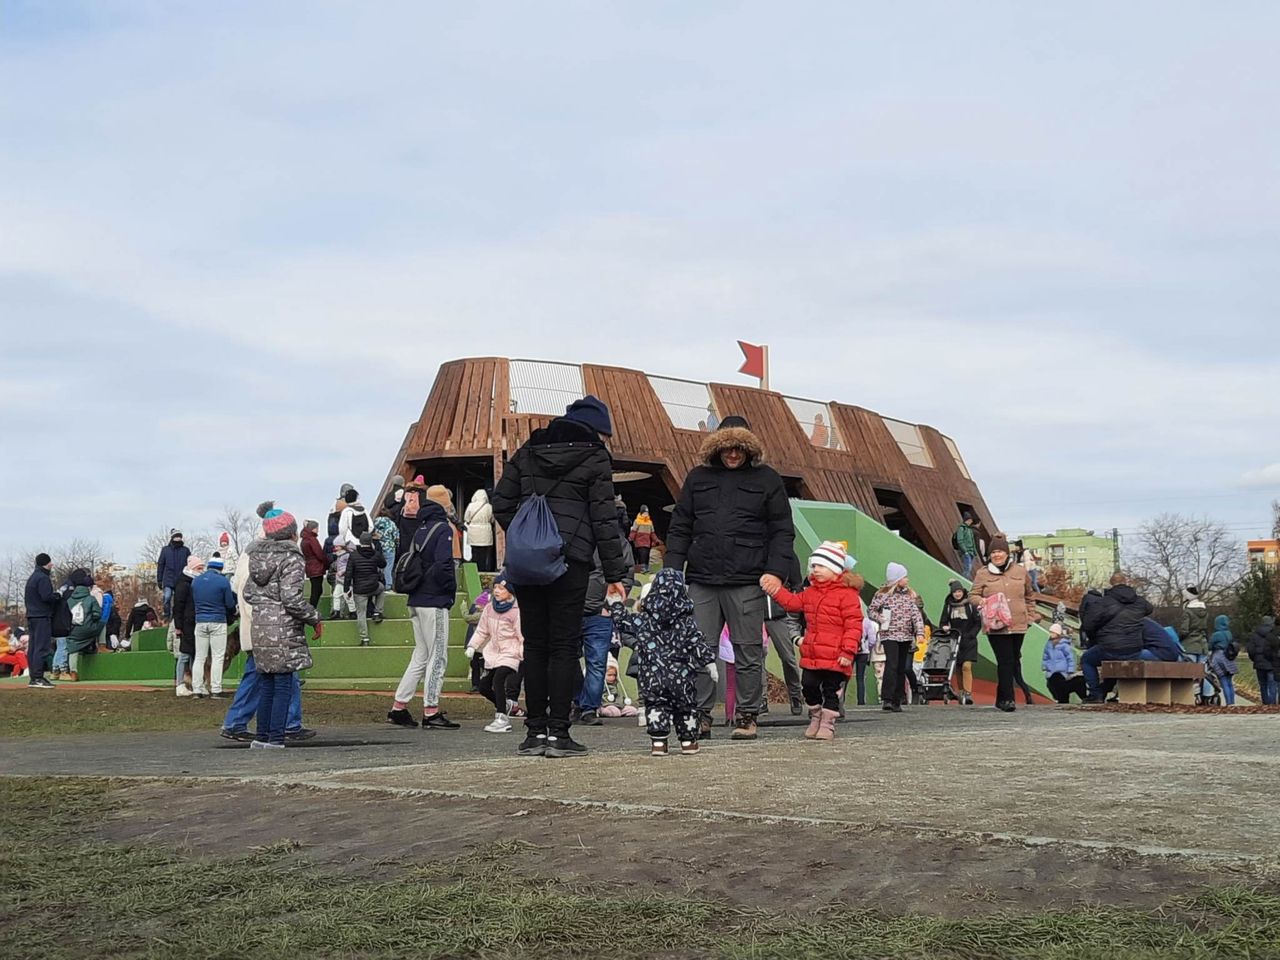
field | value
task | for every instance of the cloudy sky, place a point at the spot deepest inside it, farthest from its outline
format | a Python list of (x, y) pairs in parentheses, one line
[(239, 237)]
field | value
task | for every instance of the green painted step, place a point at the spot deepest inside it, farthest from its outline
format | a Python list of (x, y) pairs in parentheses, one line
[(389, 633), (395, 606), (152, 639)]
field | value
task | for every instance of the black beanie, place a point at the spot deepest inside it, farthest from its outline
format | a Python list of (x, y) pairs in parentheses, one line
[(734, 421), (43, 559)]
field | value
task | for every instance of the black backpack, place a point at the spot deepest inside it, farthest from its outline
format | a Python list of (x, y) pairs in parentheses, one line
[(61, 623), (408, 574), (360, 524)]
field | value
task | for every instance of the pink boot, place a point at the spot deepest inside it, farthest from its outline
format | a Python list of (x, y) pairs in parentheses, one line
[(815, 720), (827, 725)]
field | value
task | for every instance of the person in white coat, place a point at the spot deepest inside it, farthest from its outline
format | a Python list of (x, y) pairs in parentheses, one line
[(479, 523)]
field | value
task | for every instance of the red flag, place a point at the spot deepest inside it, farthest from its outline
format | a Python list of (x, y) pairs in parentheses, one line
[(754, 367)]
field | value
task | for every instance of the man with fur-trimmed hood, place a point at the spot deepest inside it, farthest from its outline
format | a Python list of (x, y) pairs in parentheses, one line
[(731, 527)]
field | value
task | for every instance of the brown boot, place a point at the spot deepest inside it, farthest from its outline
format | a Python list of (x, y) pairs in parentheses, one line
[(815, 718), (827, 725), (71, 677), (744, 728)]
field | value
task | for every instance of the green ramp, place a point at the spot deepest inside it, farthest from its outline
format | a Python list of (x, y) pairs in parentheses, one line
[(875, 547)]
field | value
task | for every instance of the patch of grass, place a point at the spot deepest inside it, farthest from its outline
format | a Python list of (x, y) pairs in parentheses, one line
[(64, 895), (67, 710)]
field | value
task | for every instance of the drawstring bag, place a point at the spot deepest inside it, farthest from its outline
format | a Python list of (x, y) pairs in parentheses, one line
[(996, 615)]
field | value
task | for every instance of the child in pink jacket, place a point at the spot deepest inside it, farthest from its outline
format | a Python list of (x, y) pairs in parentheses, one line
[(498, 636)]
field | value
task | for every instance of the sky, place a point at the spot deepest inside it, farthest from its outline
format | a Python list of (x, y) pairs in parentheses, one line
[(238, 239)]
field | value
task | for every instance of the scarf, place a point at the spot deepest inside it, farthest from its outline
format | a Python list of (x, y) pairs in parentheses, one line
[(502, 606), (1000, 570)]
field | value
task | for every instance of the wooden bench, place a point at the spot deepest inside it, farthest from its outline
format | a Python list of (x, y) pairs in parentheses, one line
[(1153, 681)]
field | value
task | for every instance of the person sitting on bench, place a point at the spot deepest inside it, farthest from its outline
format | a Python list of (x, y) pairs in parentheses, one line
[(1113, 623)]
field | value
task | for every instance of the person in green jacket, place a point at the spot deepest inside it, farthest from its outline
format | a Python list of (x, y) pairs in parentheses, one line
[(965, 540), (86, 618), (1195, 630)]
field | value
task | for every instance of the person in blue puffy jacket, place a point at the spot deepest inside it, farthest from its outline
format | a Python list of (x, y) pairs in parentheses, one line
[(1059, 665)]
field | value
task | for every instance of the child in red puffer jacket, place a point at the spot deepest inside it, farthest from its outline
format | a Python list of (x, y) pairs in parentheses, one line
[(833, 630)]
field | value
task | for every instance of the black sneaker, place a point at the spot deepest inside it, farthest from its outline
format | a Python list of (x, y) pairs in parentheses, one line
[(589, 718), (797, 706), (565, 746), (401, 718), (41, 684), (704, 728), (240, 736), (439, 721), (534, 745), (297, 736), (218, 696), (575, 714)]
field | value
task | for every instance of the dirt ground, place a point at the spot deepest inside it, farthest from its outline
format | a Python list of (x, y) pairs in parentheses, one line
[(944, 811)]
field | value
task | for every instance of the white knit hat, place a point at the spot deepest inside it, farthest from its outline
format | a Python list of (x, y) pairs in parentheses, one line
[(830, 555), (894, 573)]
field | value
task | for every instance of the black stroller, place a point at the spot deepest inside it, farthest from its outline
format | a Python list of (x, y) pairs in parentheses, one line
[(937, 672)]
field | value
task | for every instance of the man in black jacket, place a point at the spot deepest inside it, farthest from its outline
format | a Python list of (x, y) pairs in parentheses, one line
[(1113, 623), (731, 530), (366, 580), (40, 599), (568, 463)]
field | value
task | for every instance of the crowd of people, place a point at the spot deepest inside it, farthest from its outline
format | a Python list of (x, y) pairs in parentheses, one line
[(553, 621)]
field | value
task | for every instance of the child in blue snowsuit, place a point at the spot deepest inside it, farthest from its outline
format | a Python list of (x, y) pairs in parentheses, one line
[(670, 651)]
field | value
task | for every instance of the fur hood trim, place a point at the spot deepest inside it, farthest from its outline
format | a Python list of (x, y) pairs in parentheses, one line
[(728, 438)]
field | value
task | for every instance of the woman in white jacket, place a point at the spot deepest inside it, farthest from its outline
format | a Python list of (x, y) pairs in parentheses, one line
[(479, 523)]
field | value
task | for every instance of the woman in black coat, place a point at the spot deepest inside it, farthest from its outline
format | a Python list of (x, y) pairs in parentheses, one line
[(961, 619), (184, 623)]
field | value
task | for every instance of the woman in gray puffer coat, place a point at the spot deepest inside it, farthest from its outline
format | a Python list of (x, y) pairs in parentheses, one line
[(277, 576)]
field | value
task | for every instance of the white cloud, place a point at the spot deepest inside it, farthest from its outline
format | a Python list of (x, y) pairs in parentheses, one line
[(1263, 478)]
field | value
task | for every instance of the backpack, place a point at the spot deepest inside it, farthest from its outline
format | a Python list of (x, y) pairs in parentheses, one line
[(360, 524), (78, 615), (60, 625), (408, 574), (535, 548), (412, 503), (955, 540), (1233, 650), (333, 523)]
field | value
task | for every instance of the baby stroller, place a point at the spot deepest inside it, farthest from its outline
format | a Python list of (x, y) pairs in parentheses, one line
[(1214, 697), (939, 667)]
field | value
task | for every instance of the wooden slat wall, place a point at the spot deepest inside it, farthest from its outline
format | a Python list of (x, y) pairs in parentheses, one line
[(465, 415)]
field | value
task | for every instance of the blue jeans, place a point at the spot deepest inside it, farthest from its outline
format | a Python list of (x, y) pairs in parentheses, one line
[(1228, 689), (184, 664), (597, 635), (168, 602), (274, 693), (1267, 686), (1090, 659), (969, 560), (389, 573), (61, 659), (1035, 580), (245, 704)]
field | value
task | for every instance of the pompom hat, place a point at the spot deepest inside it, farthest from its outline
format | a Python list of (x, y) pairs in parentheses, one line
[(831, 555), (277, 524)]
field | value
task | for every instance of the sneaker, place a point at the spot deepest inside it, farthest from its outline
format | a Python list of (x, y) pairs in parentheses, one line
[(438, 721), (1006, 706), (765, 708), (263, 745), (514, 709), (745, 728), (364, 642), (377, 618), (797, 706), (501, 724), (688, 747), (241, 736), (704, 728), (41, 684), (589, 718), (565, 746), (401, 718), (183, 691), (534, 745), (895, 707), (297, 736), (218, 696), (886, 706), (658, 748), (575, 714)]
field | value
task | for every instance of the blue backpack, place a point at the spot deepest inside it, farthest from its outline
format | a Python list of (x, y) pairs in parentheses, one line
[(535, 549)]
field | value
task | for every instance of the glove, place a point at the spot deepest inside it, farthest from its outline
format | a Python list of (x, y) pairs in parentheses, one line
[(713, 672), (469, 652), (319, 628)]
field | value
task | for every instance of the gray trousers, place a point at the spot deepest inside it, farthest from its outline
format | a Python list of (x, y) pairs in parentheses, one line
[(362, 609), (742, 608), (782, 634)]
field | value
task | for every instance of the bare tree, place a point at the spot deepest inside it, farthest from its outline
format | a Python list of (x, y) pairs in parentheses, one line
[(201, 545), (14, 571), (1175, 551), (241, 526), (1275, 519), (80, 553)]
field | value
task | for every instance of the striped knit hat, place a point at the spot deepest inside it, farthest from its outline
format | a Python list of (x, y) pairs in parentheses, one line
[(277, 524), (832, 556)]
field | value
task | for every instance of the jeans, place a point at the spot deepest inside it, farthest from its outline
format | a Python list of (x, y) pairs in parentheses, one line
[(743, 609), (1228, 689), (1091, 658), (1267, 686), (782, 637), (967, 561), (597, 635), (274, 692), (362, 610), (211, 646), (61, 660), (822, 688), (168, 602), (183, 665), (860, 663), (430, 656), (1035, 580), (39, 643), (1008, 651), (551, 619), (897, 666), (388, 576), (245, 705)]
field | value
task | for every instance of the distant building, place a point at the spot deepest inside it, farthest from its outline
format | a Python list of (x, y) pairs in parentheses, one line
[(1264, 553), (1088, 558)]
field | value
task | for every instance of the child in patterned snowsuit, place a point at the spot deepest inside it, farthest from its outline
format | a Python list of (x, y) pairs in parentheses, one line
[(671, 652)]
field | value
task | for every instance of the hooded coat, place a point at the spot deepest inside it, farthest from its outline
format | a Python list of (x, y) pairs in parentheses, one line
[(84, 634), (731, 526), (434, 544), (365, 570), (277, 576), (1222, 636), (479, 520), (569, 464), (498, 638), (315, 561), (1195, 628), (963, 619), (1264, 646), (171, 562), (1113, 620), (1059, 657), (669, 649), (833, 624), (184, 613)]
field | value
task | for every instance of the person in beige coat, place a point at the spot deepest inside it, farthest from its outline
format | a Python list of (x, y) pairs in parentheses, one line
[(1001, 575)]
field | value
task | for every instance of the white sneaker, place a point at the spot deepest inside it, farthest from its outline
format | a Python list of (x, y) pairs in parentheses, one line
[(25, 673), (501, 724), (263, 745), (183, 691)]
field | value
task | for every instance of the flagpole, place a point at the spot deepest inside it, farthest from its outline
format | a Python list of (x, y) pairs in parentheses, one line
[(764, 380)]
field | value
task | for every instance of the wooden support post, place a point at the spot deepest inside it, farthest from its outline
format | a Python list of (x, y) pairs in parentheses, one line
[(1158, 691), (1131, 691)]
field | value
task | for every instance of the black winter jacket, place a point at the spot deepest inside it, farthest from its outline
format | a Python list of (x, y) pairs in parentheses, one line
[(731, 526), (184, 615), (434, 543), (39, 597), (567, 463), (366, 568), (1264, 648), (1113, 620)]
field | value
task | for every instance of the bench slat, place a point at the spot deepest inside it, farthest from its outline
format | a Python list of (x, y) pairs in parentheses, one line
[(1149, 670)]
